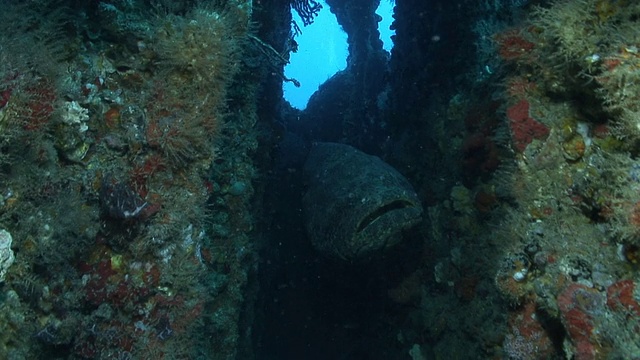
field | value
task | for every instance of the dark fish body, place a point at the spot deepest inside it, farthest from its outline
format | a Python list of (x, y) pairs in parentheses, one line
[(355, 205)]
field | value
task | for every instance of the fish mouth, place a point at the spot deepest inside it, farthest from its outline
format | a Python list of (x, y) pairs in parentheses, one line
[(381, 211)]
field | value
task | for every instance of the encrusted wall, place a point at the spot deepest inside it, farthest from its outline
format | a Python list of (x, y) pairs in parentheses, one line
[(128, 130), (150, 183)]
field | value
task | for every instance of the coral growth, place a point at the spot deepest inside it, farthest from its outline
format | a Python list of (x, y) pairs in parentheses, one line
[(579, 306), (524, 128), (512, 44), (621, 297), (512, 279), (37, 112), (527, 338)]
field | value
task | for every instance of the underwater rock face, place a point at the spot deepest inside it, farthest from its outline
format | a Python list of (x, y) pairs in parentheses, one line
[(355, 204), (6, 254)]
